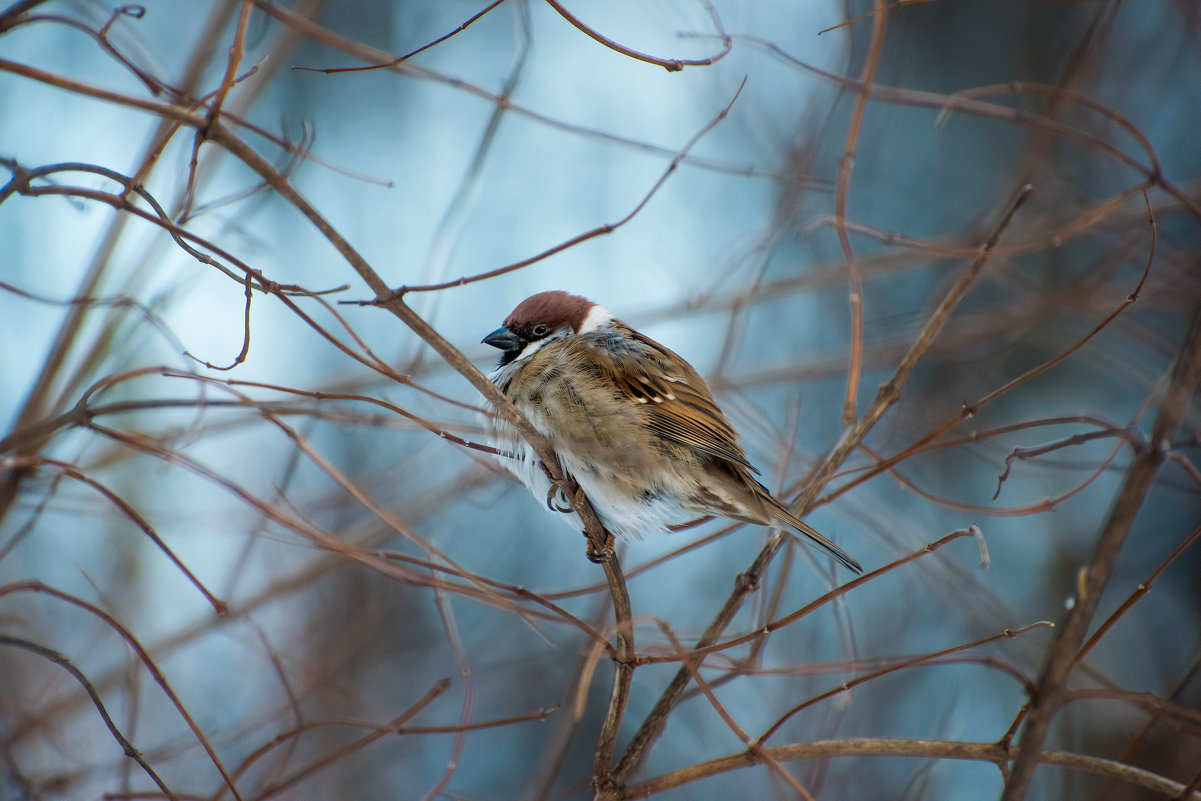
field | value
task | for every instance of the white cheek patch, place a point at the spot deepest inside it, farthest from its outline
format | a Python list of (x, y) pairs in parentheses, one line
[(598, 317), (530, 349), (533, 347)]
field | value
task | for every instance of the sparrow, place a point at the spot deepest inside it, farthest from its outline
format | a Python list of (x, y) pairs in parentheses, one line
[(631, 421)]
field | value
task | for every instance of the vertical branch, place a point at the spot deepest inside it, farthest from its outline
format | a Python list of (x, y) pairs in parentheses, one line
[(746, 582), (37, 403), (1060, 657), (876, 46), (595, 531)]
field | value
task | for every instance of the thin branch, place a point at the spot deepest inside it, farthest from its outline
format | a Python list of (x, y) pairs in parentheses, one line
[(653, 725), (77, 674), (72, 471), (1142, 589), (671, 65), (338, 754), (1061, 655), (874, 49), (143, 656), (890, 668), (600, 230), (754, 746), (920, 749), (401, 59)]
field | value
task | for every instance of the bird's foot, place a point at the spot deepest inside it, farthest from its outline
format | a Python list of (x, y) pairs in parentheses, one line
[(557, 500), (598, 555)]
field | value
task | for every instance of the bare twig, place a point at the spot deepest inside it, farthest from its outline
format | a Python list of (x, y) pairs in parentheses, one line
[(920, 749), (874, 49), (1061, 656), (652, 726), (671, 65), (600, 230), (77, 674), (401, 59)]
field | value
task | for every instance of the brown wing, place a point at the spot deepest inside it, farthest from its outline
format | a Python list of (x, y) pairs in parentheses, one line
[(676, 402)]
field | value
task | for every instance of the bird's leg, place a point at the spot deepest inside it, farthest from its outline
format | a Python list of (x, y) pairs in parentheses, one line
[(557, 501), (599, 556), (552, 500), (595, 555)]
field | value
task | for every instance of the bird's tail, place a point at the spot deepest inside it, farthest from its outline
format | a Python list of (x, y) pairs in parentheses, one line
[(816, 539)]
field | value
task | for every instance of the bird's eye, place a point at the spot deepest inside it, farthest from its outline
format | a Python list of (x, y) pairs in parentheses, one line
[(539, 330)]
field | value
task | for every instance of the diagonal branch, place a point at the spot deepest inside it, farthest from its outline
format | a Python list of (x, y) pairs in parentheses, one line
[(1061, 656), (595, 531), (653, 725)]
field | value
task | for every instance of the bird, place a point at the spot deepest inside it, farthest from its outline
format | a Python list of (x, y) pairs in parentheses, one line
[(633, 423)]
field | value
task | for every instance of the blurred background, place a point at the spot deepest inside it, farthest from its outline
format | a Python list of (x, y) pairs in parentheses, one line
[(235, 526)]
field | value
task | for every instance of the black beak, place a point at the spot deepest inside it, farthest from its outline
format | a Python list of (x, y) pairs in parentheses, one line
[(504, 339)]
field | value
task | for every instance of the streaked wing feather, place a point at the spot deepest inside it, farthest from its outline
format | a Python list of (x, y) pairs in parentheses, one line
[(677, 404)]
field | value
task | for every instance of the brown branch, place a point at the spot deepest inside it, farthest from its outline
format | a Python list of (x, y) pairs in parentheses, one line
[(967, 410), (753, 746), (1142, 589), (401, 59), (920, 749), (72, 471), (382, 728), (230, 78), (846, 163), (600, 230), (77, 674), (653, 725), (338, 754), (154, 85), (1061, 655), (905, 663), (143, 655), (817, 603), (671, 65)]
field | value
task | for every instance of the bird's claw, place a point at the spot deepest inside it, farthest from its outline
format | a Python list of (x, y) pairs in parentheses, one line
[(596, 555), (552, 500)]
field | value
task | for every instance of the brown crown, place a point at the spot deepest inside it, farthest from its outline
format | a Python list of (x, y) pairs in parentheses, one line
[(554, 309)]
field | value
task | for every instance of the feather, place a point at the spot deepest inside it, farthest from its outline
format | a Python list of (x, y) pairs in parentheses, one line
[(633, 422), (676, 404)]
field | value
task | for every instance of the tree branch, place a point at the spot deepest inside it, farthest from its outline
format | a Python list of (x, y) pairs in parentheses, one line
[(1060, 657)]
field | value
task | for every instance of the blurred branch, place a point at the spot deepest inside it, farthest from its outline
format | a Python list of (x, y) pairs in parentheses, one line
[(921, 749), (874, 49), (601, 230), (10, 16), (77, 674), (671, 65), (1061, 656), (394, 727), (653, 725), (818, 602), (143, 656), (71, 471), (372, 55), (970, 409), (339, 754), (753, 746), (910, 662), (401, 59)]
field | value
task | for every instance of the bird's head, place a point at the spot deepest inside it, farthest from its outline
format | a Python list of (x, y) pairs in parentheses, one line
[(543, 318)]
